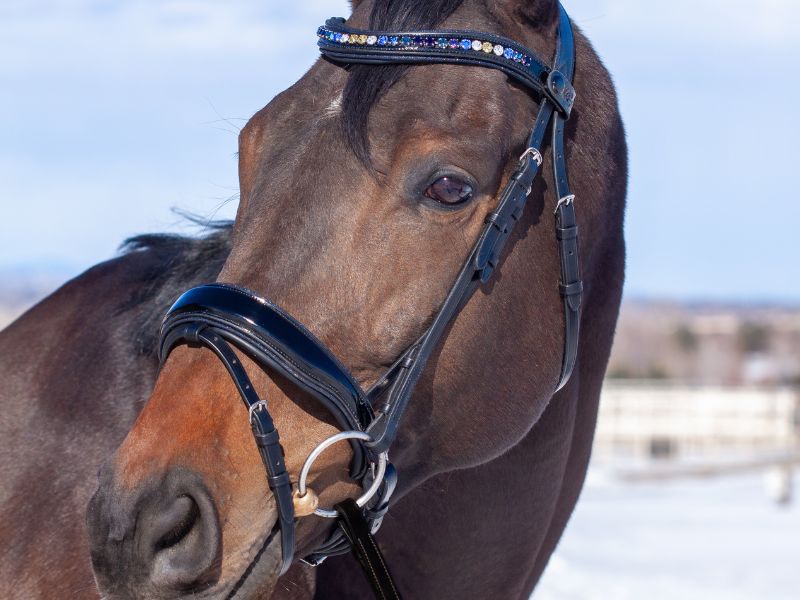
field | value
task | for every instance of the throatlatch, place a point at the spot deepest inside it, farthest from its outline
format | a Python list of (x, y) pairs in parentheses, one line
[(219, 316)]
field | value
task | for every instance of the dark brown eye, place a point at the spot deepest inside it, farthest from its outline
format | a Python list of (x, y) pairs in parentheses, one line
[(449, 191)]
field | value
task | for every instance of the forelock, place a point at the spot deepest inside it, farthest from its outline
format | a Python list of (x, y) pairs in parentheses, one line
[(367, 84)]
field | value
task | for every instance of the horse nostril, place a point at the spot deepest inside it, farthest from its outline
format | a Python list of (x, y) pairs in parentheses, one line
[(165, 537), (182, 539), (178, 521)]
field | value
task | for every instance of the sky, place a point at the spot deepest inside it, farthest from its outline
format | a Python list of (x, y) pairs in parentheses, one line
[(114, 113)]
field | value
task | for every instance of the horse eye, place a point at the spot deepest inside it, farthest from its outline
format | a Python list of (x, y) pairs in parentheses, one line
[(449, 191)]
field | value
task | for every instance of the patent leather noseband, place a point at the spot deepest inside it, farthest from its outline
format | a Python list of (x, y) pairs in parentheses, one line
[(222, 317)]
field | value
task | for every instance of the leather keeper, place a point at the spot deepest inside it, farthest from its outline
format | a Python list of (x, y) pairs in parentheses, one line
[(571, 289), (573, 292), (280, 480), (191, 334), (567, 233), (266, 439)]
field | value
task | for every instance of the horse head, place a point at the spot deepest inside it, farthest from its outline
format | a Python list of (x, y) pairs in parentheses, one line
[(363, 192)]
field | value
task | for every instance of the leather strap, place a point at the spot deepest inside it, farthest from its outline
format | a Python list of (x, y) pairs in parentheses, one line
[(266, 436), (357, 531), (399, 383), (570, 286)]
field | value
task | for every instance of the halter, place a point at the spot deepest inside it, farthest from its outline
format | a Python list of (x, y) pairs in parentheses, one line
[(218, 316)]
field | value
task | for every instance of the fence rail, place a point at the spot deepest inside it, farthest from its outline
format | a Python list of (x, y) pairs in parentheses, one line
[(652, 419)]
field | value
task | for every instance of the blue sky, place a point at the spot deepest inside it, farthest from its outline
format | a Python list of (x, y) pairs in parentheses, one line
[(111, 113)]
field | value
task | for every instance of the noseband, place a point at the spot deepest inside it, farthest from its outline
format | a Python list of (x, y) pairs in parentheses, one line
[(220, 316)]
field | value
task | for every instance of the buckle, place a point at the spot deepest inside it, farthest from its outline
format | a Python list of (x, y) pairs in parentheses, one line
[(534, 154), (565, 201), (260, 405)]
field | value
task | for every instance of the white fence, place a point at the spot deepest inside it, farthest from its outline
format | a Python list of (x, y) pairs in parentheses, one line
[(652, 419)]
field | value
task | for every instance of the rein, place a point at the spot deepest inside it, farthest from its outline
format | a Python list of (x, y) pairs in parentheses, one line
[(218, 316)]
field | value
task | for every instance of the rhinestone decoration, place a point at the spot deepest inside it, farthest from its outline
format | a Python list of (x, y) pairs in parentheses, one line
[(416, 41)]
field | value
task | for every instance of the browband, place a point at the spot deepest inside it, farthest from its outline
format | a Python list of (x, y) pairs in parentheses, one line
[(344, 44)]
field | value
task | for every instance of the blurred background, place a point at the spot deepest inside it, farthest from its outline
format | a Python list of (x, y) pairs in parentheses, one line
[(114, 113)]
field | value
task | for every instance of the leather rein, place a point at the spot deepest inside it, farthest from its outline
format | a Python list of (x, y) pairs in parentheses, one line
[(220, 317)]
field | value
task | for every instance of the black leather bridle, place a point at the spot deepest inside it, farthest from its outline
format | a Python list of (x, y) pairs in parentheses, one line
[(218, 316)]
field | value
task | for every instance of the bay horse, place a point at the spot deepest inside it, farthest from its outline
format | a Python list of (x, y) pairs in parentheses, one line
[(362, 192)]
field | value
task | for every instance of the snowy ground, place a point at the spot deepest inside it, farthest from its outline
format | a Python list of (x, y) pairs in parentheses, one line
[(707, 539)]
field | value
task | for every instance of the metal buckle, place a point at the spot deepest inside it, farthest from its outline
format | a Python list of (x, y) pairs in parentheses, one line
[(564, 201), (260, 405), (383, 459), (534, 154)]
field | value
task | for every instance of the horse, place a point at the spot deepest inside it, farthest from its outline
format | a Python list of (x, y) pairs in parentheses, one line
[(363, 189)]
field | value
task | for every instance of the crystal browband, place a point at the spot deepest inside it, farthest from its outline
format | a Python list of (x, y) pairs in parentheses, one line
[(341, 43), (427, 41)]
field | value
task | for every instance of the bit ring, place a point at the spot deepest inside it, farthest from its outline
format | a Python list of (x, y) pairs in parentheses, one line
[(383, 459)]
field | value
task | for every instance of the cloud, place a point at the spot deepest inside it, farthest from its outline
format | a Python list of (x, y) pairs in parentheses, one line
[(110, 114)]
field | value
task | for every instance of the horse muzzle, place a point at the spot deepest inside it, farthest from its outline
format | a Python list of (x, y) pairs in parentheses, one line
[(162, 538)]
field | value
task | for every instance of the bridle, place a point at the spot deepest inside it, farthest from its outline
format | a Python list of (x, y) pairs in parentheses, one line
[(218, 316)]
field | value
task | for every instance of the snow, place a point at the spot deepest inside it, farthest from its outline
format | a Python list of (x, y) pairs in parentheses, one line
[(709, 539)]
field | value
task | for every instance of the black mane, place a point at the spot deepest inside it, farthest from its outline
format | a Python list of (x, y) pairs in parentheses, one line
[(368, 83), (178, 263)]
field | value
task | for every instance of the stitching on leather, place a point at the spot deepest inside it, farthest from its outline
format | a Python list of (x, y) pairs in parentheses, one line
[(378, 586), (294, 363), (299, 367), (383, 564)]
